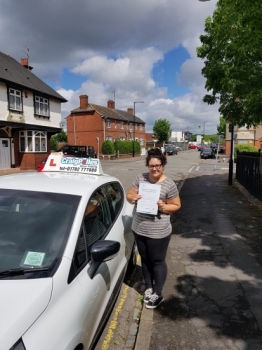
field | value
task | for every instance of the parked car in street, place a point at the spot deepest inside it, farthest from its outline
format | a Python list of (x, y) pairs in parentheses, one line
[(192, 146), (207, 153), (170, 150), (41, 165), (65, 246), (78, 151)]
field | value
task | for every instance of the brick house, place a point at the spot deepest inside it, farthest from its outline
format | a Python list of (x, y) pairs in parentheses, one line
[(30, 112), (91, 124), (244, 135)]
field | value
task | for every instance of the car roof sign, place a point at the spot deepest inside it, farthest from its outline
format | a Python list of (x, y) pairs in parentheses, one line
[(59, 163)]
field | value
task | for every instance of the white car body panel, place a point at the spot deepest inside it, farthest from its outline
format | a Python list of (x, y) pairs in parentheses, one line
[(49, 312), (21, 303)]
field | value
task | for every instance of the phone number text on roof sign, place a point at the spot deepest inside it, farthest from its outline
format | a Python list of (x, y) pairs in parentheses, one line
[(80, 161)]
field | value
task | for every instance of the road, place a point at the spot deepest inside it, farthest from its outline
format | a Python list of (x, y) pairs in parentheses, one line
[(121, 328)]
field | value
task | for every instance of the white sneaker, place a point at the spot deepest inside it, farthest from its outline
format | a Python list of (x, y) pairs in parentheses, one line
[(147, 295)]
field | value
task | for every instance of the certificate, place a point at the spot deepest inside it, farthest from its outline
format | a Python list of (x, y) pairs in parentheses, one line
[(150, 194)]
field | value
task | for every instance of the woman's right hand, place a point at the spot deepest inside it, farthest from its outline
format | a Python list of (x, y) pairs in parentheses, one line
[(133, 196)]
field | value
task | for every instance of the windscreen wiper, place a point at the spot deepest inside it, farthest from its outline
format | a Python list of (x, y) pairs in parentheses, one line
[(18, 272)]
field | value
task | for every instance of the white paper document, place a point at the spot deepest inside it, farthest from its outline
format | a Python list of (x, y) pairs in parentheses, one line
[(150, 195)]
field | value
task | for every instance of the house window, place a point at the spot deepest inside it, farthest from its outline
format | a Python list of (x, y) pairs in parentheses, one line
[(41, 106), (15, 100), (136, 126), (122, 138), (130, 126), (108, 123), (32, 141), (115, 124), (141, 141), (122, 125), (109, 138), (141, 127)]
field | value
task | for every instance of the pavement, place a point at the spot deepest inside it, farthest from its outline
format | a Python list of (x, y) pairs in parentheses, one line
[(213, 295)]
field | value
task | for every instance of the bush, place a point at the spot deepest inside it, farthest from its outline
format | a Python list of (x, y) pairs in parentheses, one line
[(53, 143), (108, 147), (126, 147), (244, 147)]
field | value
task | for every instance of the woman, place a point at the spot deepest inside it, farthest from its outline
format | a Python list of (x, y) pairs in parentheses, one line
[(153, 232)]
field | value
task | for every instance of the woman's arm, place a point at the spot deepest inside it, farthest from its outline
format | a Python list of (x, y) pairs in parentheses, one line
[(170, 206), (132, 195)]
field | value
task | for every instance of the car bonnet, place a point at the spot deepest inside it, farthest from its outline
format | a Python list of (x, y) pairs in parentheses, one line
[(21, 303)]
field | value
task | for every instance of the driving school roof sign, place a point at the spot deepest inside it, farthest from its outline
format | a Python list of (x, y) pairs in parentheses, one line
[(58, 163)]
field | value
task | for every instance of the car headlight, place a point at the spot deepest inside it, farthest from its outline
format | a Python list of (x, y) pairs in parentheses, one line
[(18, 345)]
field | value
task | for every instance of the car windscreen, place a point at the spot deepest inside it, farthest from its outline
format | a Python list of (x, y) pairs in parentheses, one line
[(34, 230)]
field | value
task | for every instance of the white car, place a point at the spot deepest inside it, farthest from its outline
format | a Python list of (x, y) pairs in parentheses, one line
[(65, 245)]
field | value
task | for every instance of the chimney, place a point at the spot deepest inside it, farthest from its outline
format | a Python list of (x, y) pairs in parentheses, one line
[(83, 101), (111, 104), (130, 111), (24, 62)]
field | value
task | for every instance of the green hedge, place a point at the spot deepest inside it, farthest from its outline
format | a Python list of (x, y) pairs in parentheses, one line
[(124, 147), (244, 147), (108, 147)]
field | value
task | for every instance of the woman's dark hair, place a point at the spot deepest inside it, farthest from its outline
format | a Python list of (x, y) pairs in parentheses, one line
[(156, 153)]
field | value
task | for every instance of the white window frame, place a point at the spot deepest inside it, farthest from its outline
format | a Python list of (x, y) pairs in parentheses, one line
[(41, 106), (115, 124), (141, 141), (32, 141), (141, 127), (109, 138), (130, 126), (108, 123), (122, 125), (15, 99)]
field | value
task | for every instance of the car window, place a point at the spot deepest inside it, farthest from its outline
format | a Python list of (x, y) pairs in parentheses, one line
[(35, 225), (115, 198), (80, 256), (97, 218)]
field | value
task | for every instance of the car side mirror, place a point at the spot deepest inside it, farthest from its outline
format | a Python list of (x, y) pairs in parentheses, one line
[(100, 252)]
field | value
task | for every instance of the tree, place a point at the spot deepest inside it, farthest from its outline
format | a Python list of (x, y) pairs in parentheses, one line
[(221, 128), (162, 130), (60, 137), (232, 51)]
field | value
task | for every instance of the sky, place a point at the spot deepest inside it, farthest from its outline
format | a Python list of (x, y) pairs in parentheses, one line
[(127, 50)]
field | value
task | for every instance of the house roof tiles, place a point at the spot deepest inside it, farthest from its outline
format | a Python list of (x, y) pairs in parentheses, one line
[(111, 113), (13, 72)]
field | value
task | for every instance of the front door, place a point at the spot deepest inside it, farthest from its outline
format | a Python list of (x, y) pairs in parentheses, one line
[(4, 153)]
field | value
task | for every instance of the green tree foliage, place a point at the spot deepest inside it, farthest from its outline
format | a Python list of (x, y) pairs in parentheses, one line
[(162, 130), (53, 143), (60, 137), (108, 147), (221, 128), (231, 48)]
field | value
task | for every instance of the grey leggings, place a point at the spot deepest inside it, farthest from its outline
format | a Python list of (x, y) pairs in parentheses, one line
[(153, 255)]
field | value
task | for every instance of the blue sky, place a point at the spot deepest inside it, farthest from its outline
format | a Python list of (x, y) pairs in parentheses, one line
[(144, 51)]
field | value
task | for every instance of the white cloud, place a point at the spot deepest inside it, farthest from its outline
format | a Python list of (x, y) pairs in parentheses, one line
[(115, 44)]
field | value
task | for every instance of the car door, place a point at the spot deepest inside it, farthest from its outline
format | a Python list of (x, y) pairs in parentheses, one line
[(102, 289)]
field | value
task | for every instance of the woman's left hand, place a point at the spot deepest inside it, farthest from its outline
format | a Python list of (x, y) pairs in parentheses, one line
[(161, 205)]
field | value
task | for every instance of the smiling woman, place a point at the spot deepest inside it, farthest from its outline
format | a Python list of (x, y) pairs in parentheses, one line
[(153, 232)]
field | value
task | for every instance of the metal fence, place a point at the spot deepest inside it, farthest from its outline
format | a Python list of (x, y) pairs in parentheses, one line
[(249, 172)]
